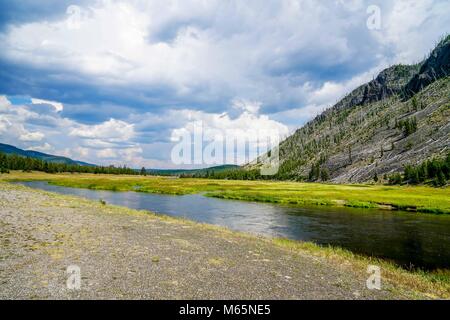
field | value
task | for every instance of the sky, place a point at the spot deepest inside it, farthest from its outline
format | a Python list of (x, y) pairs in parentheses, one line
[(120, 82)]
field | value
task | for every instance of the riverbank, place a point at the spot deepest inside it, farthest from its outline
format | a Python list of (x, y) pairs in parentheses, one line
[(412, 198), (131, 254)]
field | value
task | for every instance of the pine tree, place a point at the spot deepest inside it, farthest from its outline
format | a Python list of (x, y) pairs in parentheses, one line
[(350, 154), (324, 174), (440, 179)]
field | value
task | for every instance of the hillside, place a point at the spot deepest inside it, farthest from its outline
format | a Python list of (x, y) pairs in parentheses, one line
[(8, 149), (401, 117)]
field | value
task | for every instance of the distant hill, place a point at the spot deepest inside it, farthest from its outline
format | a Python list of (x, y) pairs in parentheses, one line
[(196, 172), (8, 149), (400, 118)]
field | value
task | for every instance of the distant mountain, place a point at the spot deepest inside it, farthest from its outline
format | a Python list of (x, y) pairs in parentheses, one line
[(8, 149), (401, 117), (196, 172)]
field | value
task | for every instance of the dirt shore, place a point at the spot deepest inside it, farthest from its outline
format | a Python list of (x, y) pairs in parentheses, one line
[(129, 254)]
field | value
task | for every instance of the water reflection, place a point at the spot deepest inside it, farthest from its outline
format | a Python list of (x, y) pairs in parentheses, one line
[(406, 238)]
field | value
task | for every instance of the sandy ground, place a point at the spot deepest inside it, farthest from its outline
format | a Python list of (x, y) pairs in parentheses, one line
[(128, 254)]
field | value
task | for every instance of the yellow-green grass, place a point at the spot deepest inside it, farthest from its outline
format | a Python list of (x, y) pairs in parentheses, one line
[(416, 198)]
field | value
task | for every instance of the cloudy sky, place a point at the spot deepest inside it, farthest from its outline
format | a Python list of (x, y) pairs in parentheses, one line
[(114, 82)]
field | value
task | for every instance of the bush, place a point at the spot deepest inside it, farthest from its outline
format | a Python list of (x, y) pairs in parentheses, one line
[(4, 170), (314, 173), (409, 126), (396, 178), (440, 180)]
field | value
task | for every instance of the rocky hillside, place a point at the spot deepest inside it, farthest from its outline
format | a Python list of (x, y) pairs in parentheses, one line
[(401, 117)]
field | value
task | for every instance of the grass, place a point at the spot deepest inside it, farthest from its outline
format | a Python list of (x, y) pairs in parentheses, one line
[(413, 198)]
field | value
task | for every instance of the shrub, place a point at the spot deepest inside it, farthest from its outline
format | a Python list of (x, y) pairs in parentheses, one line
[(440, 180), (396, 178), (4, 170), (409, 126)]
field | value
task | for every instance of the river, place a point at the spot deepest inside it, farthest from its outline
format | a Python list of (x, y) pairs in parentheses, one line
[(409, 239)]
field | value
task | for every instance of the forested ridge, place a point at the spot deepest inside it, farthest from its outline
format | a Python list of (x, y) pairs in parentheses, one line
[(17, 162)]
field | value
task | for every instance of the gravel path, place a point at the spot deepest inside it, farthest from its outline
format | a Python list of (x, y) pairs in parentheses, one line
[(128, 254)]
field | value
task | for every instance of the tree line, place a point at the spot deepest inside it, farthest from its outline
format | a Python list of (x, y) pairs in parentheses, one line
[(228, 174), (435, 171), (16, 162)]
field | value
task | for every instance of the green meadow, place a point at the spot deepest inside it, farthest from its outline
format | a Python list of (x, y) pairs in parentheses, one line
[(414, 198)]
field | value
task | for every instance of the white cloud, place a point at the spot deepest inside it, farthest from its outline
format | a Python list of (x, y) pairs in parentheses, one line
[(31, 136), (131, 154), (246, 106), (213, 122), (46, 147), (412, 28), (111, 130), (57, 105), (4, 104), (110, 141), (75, 153), (249, 127), (4, 124), (126, 155), (214, 50), (294, 118), (107, 153)]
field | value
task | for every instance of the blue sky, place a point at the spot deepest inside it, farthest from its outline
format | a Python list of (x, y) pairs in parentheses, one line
[(113, 81)]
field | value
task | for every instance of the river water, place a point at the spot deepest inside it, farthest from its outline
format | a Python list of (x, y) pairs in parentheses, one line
[(409, 239)]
